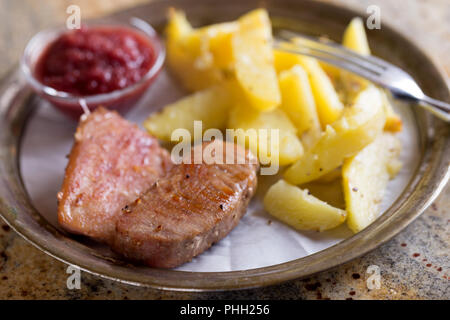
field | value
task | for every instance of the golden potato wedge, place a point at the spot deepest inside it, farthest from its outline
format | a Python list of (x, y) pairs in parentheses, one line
[(211, 106), (299, 209), (332, 72), (297, 101), (330, 192), (329, 107), (355, 39), (253, 59), (330, 176), (365, 177), (359, 126), (255, 132), (393, 121), (394, 167), (284, 60), (219, 39), (178, 26), (200, 57)]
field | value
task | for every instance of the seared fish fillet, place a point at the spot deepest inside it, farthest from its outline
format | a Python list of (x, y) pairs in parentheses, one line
[(187, 211), (111, 163)]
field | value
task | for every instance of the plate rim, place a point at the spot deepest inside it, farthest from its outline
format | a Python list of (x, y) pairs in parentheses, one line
[(252, 278)]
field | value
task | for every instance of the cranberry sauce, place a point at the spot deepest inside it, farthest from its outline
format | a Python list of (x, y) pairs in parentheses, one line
[(95, 60)]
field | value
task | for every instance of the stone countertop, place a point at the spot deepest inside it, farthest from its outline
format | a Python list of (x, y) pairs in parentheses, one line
[(414, 265)]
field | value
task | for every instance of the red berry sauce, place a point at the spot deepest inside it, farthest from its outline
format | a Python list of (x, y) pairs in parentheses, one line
[(95, 60)]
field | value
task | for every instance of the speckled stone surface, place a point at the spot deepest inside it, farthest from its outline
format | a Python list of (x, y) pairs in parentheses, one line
[(414, 265)]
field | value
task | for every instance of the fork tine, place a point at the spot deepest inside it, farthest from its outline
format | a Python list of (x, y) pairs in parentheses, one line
[(322, 55), (335, 49), (401, 84), (327, 57), (291, 34), (341, 55)]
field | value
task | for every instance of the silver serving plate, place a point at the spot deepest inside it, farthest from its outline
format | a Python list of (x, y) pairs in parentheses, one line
[(17, 104)]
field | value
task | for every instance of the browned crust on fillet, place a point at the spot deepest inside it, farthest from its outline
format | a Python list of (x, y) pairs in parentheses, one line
[(184, 213), (111, 163)]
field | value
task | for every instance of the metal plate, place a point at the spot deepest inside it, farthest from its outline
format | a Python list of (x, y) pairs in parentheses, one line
[(316, 18)]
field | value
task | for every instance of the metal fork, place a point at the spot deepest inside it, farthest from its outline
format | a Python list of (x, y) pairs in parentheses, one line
[(400, 83)]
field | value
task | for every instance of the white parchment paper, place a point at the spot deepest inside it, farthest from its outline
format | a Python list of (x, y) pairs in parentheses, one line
[(253, 243)]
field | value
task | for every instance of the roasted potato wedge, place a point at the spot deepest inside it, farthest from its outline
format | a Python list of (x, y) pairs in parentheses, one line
[(355, 39), (330, 176), (211, 106), (298, 103), (284, 150), (200, 57), (365, 177), (253, 59), (393, 121), (330, 192), (299, 209), (358, 127), (332, 72), (284, 61), (329, 107)]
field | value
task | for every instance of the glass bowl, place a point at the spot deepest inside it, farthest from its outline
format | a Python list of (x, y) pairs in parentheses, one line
[(121, 100)]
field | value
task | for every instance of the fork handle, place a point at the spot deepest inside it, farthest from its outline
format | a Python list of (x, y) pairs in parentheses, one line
[(438, 108)]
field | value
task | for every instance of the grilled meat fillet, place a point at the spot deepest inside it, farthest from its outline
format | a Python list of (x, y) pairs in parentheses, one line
[(111, 163), (188, 210)]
